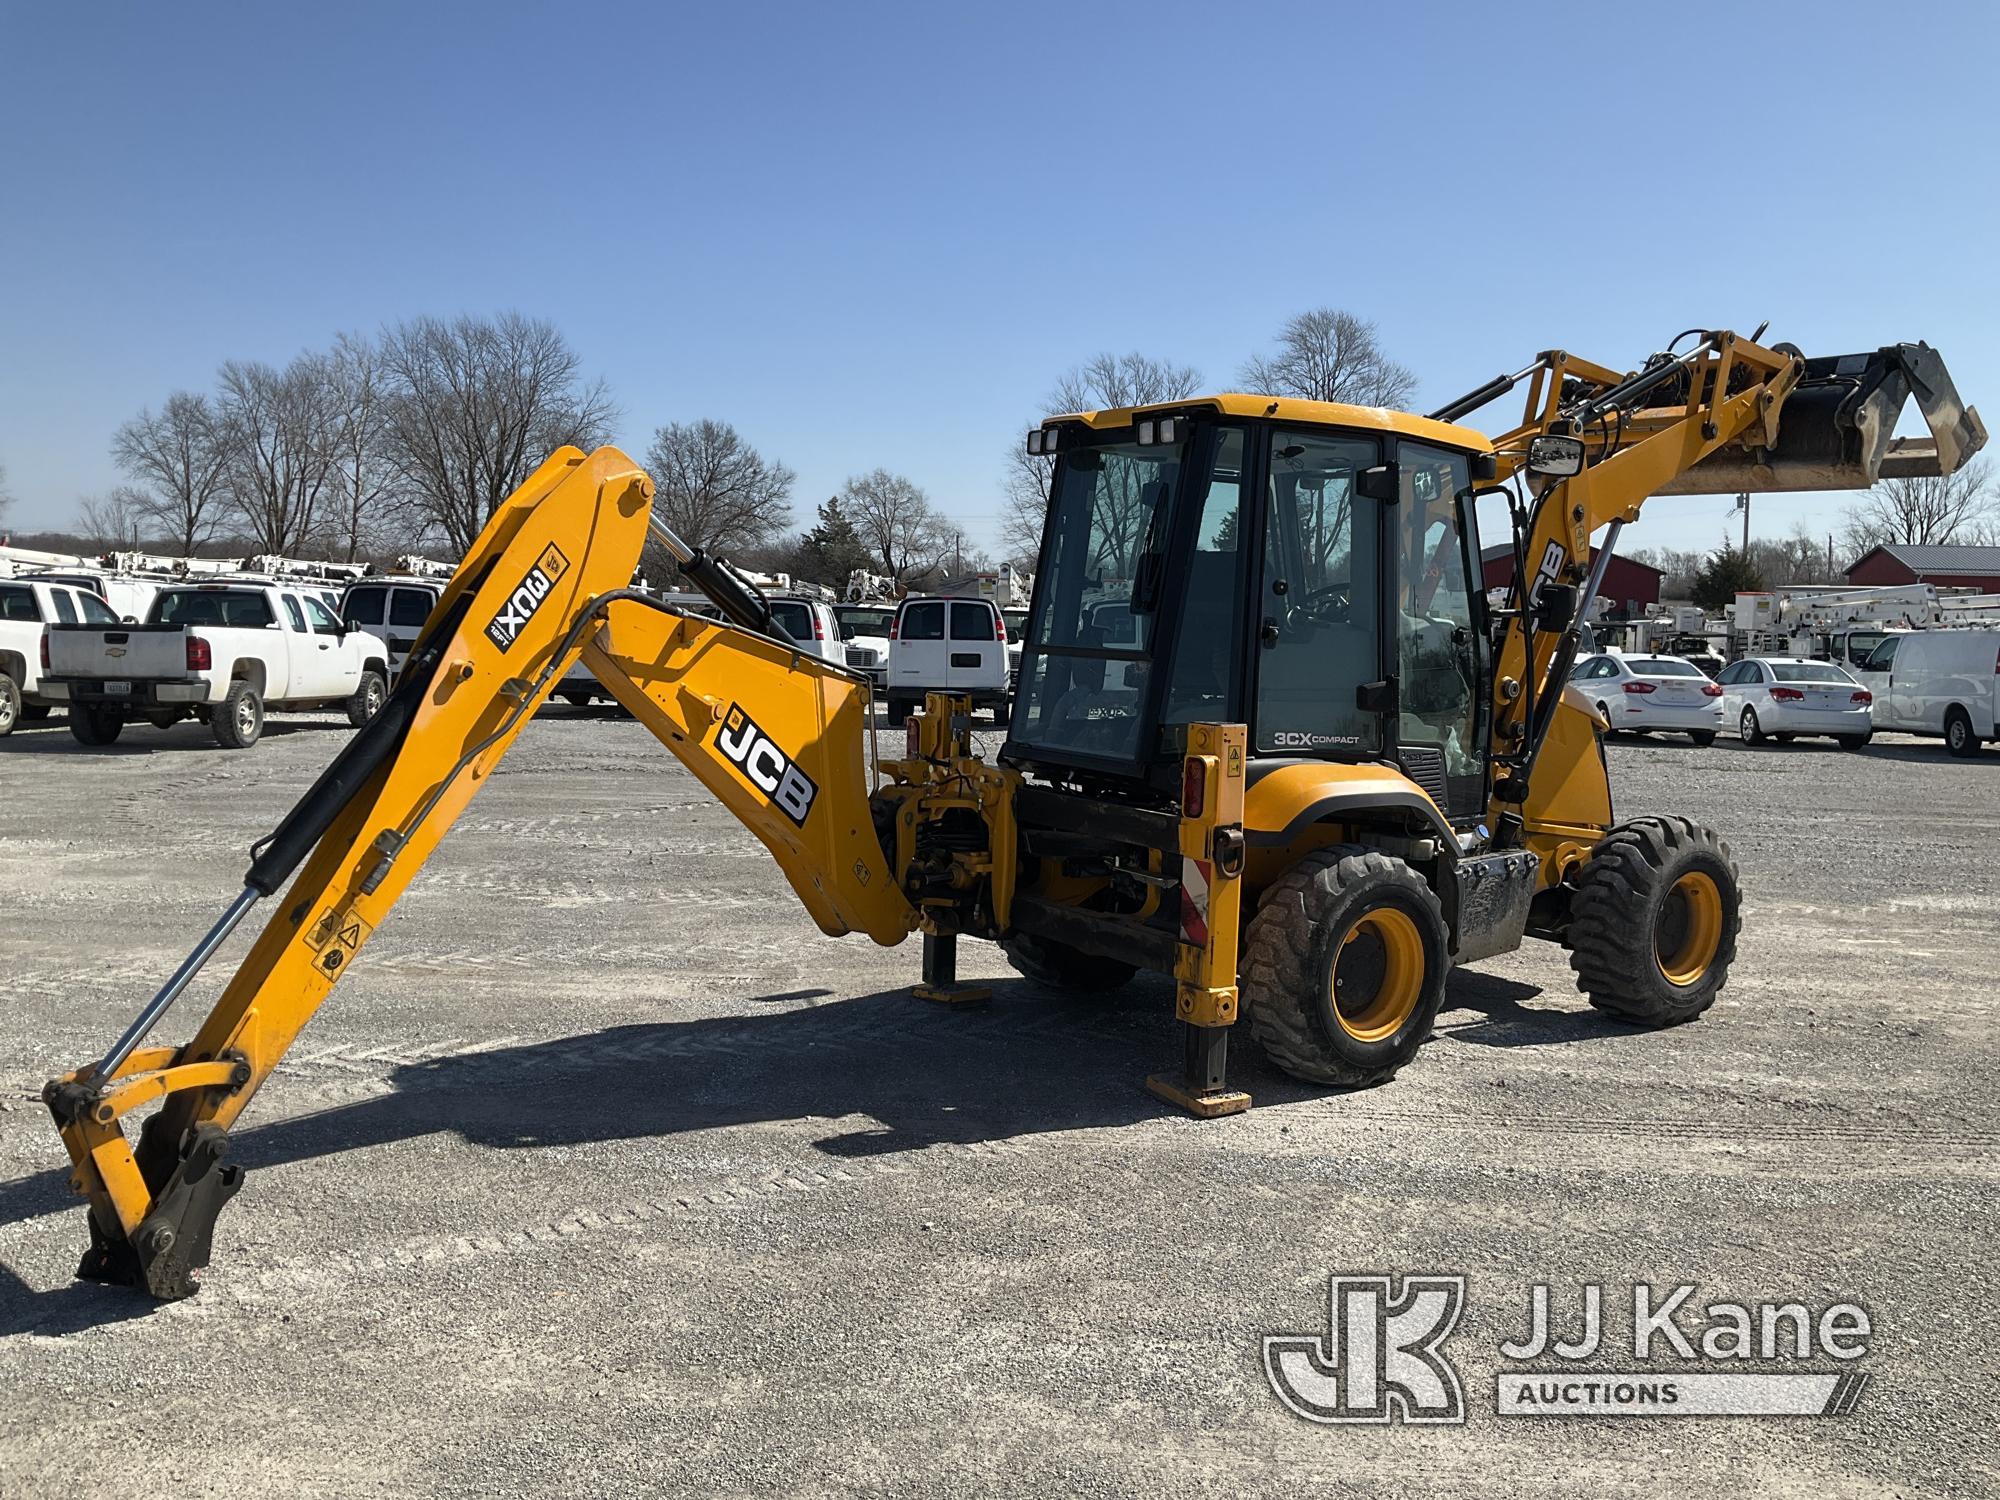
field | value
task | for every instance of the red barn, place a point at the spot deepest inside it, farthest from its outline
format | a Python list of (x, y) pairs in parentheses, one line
[(1947, 567), (1632, 586)]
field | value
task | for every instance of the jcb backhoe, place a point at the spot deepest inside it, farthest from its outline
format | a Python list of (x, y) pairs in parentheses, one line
[(1260, 676)]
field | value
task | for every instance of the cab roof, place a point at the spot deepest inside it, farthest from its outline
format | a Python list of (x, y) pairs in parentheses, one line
[(1292, 409)]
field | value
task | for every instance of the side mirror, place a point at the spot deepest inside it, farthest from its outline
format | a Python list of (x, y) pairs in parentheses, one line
[(1378, 483), (1555, 457), (1555, 606)]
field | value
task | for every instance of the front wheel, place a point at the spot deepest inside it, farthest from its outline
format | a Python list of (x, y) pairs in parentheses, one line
[(1653, 921), (367, 699), (1344, 966), (1958, 736), (238, 719)]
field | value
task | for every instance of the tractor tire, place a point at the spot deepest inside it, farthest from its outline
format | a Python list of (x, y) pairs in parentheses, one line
[(1344, 966), (1853, 741), (1653, 921), (96, 723), (1958, 736), (1702, 737), (1748, 727), (238, 720), (1062, 967), (367, 699), (10, 704)]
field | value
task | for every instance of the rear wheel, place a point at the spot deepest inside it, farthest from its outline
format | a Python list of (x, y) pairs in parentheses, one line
[(1748, 727), (1958, 736), (1702, 737), (1344, 966), (96, 723), (10, 703), (367, 699), (238, 719), (1062, 967), (1653, 921)]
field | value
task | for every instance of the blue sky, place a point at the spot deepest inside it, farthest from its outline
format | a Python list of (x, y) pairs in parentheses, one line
[(875, 234)]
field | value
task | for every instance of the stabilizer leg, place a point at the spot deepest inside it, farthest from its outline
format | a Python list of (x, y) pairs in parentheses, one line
[(941, 984), (1201, 1087)]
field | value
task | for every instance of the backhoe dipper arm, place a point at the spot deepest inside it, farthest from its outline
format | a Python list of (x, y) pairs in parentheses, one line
[(543, 585)]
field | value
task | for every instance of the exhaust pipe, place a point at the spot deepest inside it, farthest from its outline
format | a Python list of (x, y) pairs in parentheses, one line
[(1835, 430)]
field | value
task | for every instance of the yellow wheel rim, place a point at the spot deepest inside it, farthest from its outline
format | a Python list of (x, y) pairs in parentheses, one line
[(1378, 973), (1689, 929)]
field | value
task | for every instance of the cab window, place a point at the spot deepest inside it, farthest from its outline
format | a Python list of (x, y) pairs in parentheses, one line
[(409, 607), (363, 607), (95, 610), (65, 606), (18, 603), (293, 613), (320, 618), (971, 622), (1203, 681), (922, 622), (1883, 657)]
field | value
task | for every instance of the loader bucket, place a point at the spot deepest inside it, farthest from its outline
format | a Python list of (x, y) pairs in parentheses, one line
[(1834, 430)]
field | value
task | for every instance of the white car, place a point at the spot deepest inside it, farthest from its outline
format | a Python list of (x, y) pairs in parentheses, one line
[(1780, 697), (864, 630), (1639, 694), (28, 606), (127, 598), (220, 651), (1942, 682), (947, 645)]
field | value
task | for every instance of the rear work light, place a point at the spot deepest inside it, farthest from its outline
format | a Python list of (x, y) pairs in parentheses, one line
[(1711, 690), (1640, 687), (45, 651), (1861, 696), (199, 657), (1787, 695), (1194, 786)]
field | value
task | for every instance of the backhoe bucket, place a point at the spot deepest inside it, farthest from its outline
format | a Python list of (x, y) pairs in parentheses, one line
[(1834, 430)]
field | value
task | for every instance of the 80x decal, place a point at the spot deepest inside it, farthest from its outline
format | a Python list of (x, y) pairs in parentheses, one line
[(769, 769)]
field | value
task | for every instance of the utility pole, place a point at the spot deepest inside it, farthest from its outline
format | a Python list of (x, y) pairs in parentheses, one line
[(1744, 501)]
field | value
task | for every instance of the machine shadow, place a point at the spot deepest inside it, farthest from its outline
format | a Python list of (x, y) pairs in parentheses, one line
[(1503, 1018)]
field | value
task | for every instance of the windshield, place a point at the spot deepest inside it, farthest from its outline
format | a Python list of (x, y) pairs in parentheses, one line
[(1808, 671), (855, 622), (1103, 562)]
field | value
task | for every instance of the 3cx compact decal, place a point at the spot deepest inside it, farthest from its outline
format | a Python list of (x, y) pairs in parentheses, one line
[(524, 601)]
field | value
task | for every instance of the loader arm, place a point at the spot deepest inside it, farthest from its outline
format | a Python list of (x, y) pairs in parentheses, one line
[(777, 736), (1729, 415)]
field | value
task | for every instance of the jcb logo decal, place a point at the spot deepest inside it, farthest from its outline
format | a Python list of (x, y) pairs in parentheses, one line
[(770, 770), (525, 600), (1553, 558)]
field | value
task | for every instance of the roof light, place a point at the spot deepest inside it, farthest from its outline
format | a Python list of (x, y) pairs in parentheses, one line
[(1146, 431), (1168, 429)]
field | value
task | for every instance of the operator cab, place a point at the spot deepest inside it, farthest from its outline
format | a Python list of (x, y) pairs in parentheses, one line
[(1307, 569)]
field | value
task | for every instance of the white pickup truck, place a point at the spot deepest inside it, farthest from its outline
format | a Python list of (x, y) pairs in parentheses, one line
[(27, 607), (224, 652)]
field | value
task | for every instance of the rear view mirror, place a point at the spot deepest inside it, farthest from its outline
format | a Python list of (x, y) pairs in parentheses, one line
[(1555, 457), (1555, 606)]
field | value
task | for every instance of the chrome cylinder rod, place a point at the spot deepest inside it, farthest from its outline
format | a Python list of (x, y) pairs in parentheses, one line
[(159, 1005)]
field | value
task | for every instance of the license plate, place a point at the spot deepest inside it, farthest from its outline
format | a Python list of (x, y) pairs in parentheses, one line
[(117, 689)]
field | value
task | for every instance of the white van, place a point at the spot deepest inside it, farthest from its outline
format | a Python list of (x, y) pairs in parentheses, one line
[(1939, 682), (393, 610), (947, 646)]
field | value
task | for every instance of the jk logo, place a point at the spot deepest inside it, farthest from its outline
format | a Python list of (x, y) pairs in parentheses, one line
[(1380, 1360), (525, 600)]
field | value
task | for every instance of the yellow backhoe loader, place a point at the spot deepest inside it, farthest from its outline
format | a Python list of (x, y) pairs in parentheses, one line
[(1260, 676)]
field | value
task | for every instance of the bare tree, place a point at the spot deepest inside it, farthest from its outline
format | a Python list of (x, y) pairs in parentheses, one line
[(1933, 511), (116, 522), (894, 519), (1330, 355), (479, 404), (278, 429), (364, 471), (177, 458), (715, 490), (1106, 383)]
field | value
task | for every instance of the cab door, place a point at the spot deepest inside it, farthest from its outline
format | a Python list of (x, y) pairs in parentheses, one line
[(977, 660), (1440, 641)]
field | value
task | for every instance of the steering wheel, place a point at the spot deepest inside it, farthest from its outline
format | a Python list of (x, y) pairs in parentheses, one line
[(1330, 604)]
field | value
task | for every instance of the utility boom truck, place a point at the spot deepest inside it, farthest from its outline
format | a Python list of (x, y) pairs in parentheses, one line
[(1303, 782)]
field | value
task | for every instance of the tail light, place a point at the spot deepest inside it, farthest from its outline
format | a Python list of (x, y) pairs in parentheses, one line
[(1863, 696), (1000, 629), (1711, 690), (893, 623), (1640, 687), (1787, 695), (819, 630), (45, 651), (1194, 786), (199, 657)]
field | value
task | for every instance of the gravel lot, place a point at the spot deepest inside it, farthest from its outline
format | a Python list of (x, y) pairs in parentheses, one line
[(605, 1174)]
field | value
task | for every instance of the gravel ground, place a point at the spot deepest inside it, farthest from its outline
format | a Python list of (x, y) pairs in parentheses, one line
[(605, 1174)]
